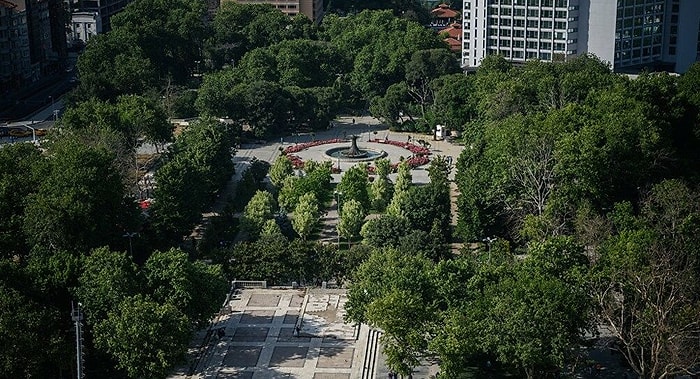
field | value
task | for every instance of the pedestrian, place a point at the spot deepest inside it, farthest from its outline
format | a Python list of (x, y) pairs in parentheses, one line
[(353, 120)]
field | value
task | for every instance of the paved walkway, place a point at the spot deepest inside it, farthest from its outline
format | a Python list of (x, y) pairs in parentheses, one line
[(273, 333)]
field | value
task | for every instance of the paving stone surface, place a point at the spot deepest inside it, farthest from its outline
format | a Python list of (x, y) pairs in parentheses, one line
[(242, 356), (335, 357), (326, 375), (289, 356), (285, 333)]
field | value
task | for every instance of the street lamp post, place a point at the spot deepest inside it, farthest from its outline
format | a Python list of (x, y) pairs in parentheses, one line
[(339, 196), (53, 110), (130, 236), (489, 241)]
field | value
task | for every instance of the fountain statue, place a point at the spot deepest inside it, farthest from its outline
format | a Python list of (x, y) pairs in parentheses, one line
[(354, 153)]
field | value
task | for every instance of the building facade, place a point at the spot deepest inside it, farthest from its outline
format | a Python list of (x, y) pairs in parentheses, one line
[(629, 34), (15, 61), (313, 9), (84, 25), (29, 49), (80, 11)]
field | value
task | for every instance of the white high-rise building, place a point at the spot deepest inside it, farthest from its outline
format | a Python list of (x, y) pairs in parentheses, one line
[(628, 34)]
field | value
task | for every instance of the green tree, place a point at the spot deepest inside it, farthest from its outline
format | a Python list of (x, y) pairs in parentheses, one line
[(267, 106), (424, 66), (379, 45), (28, 320), (381, 188), (257, 212), (220, 95), (401, 186), (80, 203), (393, 291), (353, 186), (171, 33), (107, 278), (305, 215), (351, 219), (300, 63), (280, 170), (198, 165), (195, 288), (145, 338), (16, 183), (271, 229), (454, 103), (645, 283), (385, 230), (393, 106), (141, 117), (240, 28), (114, 64)]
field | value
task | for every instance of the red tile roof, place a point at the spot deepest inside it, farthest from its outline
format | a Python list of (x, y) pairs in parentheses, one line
[(454, 44), (443, 11), (454, 31)]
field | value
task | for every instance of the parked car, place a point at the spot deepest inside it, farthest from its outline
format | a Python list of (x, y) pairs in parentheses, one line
[(20, 132)]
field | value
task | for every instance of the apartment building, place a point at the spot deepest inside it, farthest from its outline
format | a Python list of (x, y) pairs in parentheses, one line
[(15, 62), (313, 9), (28, 47), (629, 34)]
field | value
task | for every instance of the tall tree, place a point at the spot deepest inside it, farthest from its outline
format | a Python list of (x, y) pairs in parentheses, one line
[(16, 183), (280, 170), (107, 278), (402, 184), (646, 286), (80, 203), (257, 212), (195, 288), (146, 338), (305, 215), (351, 219), (354, 186), (424, 66)]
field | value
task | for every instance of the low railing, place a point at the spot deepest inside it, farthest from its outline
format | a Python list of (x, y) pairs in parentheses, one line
[(248, 284)]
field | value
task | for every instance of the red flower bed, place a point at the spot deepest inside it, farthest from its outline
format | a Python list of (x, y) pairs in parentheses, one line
[(296, 161), (412, 162), (305, 145), (420, 153), (415, 149)]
